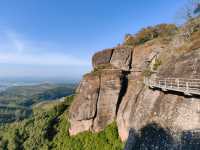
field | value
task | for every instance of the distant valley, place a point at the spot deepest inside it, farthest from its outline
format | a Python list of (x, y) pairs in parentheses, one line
[(16, 101)]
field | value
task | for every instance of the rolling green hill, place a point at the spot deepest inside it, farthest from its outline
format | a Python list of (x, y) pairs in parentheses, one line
[(28, 95), (48, 129), (16, 102)]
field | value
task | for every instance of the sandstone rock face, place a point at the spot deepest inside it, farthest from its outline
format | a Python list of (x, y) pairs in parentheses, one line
[(102, 57), (80, 126), (86, 110), (111, 84), (184, 66), (187, 115), (128, 105), (177, 112), (143, 55), (83, 109), (121, 58), (96, 103), (118, 95), (169, 111)]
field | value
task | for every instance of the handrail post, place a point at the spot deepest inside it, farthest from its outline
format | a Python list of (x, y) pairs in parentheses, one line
[(178, 84), (171, 84), (187, 87)]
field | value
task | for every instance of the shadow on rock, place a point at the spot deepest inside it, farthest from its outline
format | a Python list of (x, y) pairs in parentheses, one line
[(151, 137), (154, 137), (190, 140)]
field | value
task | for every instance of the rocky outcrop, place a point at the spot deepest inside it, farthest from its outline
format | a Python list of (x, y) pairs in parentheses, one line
[(144, 54), (121, 58), (83, 109), (102, 57), (128, 105), (96, 101), (109, 95), (115, 91)]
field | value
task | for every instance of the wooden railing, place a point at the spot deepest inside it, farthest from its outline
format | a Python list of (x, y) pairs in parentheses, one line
[(186, 86)]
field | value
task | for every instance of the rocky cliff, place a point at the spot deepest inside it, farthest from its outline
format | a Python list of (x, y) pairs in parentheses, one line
[(114, 90)]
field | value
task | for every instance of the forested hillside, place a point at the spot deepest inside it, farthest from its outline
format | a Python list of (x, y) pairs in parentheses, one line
[(16, 102), (48, 129)]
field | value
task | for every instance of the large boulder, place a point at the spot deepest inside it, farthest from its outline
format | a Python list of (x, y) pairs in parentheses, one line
[(121, 57), (96, 101), (109, 96), (102, 57), (83, 108)]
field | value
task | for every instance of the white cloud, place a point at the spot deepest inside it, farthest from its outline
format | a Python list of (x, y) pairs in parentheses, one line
[(16, 49), (40, 59), (15, 41)]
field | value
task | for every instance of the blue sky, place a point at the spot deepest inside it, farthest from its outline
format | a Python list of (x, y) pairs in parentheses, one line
[(57, 38)]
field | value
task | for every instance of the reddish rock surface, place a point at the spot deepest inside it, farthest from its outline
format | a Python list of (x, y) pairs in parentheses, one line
[(111, 85), (83, 109), (102, 57), (111, 94), (122, 57), (96, 101)]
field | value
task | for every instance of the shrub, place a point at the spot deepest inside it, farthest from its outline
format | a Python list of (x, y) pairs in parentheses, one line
[(147, 72), (149, 33), (129, 40), (105, 140), (191, 27), (157, 63)]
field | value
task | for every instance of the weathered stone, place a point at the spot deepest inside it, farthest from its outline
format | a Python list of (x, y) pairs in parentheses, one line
[(80, 126), (121, 58), (96, 103), (184, 66), (102, 57), (135, 109), (128, 105), (84, 105), (83, 108), (144, 54), (111, 84), (172, 110)]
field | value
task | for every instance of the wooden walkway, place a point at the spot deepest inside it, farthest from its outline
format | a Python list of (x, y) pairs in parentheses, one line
[(186, 86)]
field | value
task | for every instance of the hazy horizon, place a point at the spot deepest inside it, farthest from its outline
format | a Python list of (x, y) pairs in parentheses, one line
[(23, 81)]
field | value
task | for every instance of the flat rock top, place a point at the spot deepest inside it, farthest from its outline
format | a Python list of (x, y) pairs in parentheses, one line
[(102, 57)]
